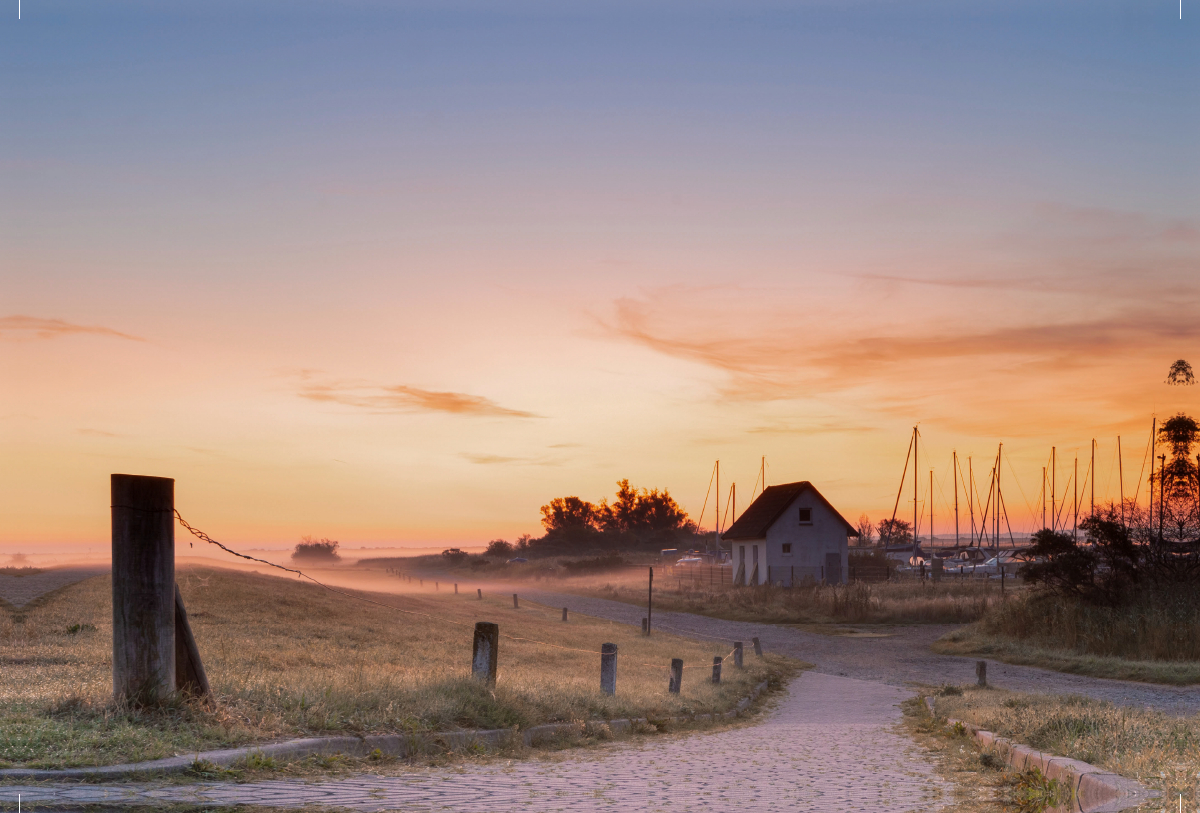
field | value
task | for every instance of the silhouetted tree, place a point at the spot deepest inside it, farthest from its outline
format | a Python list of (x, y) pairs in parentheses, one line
[(894, 532), (316, 551)]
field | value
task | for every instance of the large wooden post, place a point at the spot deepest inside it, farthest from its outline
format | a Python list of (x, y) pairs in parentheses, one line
[(143, 582), (485, 651)]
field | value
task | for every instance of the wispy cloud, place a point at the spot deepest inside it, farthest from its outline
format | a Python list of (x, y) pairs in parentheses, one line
[(33, 327), (403, 398), (99, 433), (498, 459)]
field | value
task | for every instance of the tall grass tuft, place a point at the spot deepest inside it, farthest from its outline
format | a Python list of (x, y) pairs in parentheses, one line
[(1152, 625)]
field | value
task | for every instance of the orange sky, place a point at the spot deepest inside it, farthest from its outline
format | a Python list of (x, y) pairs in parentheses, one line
[(397, 295)]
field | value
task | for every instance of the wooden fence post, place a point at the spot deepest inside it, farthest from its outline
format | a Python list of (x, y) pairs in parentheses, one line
[(485, 651), (981, 672), (608, 668), (676, 675), (757, 647), (515, 605), (143, 587), (190, 677), (564, 613), (737, 654), (716, 669), (644, 626), (479, 593), (456, 588)]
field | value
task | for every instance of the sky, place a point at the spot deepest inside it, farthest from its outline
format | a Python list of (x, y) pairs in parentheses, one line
[(400, 273)]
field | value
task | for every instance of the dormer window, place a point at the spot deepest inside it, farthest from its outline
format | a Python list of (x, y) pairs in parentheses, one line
[(806, 516)]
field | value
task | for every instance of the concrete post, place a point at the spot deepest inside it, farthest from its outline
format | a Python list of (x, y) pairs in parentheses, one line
[(676, 675), (608, 668), (485, 651), (143, 585), (981, 672), (757, 647), (938, 566), (737, 654), (716, 669)]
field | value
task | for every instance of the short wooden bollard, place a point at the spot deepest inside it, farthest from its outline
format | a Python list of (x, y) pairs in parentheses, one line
[(479, 593), (757, 647), (737, 654), (484, 652), (676, 675), (436, 586), (643, 626), (422, 583), (456, 588), (564, 613), (515, 605), (717, 659), (981, 672), (143, 587), (608, 668)]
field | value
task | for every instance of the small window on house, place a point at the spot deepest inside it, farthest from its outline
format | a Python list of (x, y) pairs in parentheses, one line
[(787, 548), (806, 516)]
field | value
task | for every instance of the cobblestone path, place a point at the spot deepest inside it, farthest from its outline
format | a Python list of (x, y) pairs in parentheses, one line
[(827, 746), (901, 658)]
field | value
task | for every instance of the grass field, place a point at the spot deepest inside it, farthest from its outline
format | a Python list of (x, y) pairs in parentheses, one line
[(287, 658), (881, 603), (1160, 751)]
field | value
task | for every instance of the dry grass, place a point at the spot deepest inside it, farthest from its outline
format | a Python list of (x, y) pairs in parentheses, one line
[(1160, 751), (949, 602), (291, 659), (1154, 638)]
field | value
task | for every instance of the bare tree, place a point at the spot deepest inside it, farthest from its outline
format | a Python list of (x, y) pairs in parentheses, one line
[(866, 530)]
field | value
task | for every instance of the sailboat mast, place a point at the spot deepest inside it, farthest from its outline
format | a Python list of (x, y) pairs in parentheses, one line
[(999, 452), (1093, 470), (956, 498), (971, 493), (1075, 521), (1043, 496), (1153, 432), (718, 523), (931, 506), (1053, 487), (1121, 477), (915, 463)]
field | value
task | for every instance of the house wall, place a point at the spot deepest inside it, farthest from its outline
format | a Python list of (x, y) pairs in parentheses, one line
[(810, 543)]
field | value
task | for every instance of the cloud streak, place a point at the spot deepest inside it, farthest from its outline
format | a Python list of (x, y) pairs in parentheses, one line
[(33, 327), (401, 398)]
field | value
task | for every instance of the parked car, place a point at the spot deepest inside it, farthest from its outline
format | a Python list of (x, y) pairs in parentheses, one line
[(689, 561), (517, 560)]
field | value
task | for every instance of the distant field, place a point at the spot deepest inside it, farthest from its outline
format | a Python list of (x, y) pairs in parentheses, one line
[(287, 658)]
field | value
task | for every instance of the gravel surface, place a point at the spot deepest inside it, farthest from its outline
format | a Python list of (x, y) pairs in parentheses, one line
[(903, 658)]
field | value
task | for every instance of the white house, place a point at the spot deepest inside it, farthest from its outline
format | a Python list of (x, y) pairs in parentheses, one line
[(788, 534)]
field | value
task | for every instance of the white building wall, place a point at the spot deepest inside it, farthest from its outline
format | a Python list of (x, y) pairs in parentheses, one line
[(810, 543)]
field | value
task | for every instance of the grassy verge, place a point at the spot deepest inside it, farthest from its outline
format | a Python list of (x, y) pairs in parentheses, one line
[(982, 782), (1153, 637), (291, 659), (1160, 751), (972, 641)]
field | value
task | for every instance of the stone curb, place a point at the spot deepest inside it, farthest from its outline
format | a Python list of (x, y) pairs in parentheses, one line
[(1094, 790), (397, 745)]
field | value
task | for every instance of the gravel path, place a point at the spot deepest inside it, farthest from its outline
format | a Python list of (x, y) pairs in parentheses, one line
[(829, 745), (20, 590), (901, 659)]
